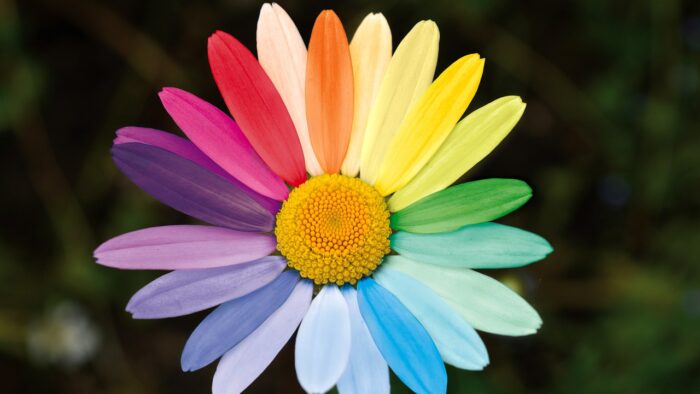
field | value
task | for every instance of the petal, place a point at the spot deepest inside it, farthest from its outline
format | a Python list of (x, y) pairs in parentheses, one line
[(257, 107), (428, 123), (189, 188), (484, 245), (240, 366), (183, 247), (187, 150), (471, 140), (329, 91), (485, 303), (402, 340), (282, 54), (233, 321), (323, 341), (370, 51), (408, 75), (367, 371), (183, 292), (458, 343), (219, 137), (468, 203)]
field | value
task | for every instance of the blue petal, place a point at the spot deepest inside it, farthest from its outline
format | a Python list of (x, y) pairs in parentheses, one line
[(402, 340), (323, 341), (457, 341), (233, 321), (367, 371)]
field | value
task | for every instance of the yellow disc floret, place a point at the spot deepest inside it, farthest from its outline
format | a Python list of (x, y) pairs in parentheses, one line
[(333, 229)]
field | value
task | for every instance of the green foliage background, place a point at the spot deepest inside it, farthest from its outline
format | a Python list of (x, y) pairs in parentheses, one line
[(609, 142)]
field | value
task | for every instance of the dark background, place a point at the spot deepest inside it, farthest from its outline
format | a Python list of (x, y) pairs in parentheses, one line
[(609, 142)]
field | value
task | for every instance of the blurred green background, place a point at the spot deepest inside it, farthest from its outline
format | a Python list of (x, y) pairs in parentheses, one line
[(610, 143)]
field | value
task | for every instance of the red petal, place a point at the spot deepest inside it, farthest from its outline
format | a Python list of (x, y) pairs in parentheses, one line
[(257, 107)]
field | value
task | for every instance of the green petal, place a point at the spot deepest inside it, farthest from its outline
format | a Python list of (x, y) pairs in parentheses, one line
[(485, 303), (468, 203), (484, 245)]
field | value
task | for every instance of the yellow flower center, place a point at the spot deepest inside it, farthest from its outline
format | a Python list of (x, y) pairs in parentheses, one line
[(333, 229)]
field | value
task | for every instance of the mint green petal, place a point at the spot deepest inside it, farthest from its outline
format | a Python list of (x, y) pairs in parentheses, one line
[(484, 245), (458, 343), (468, 203), (483, 302)]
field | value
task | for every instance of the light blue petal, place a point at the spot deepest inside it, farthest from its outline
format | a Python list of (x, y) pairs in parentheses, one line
[(367, 372), (401, 339), (233, 321), (458, 343), (323, 341), (484, 302), (484, 245)]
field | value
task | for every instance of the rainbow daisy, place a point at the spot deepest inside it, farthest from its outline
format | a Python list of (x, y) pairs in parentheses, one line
[(330, 210)]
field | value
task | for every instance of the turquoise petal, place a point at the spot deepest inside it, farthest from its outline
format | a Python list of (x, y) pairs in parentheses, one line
[(323, 341), (367, 371), (402, 340), (485, 303), (484, 245), (458, 343)]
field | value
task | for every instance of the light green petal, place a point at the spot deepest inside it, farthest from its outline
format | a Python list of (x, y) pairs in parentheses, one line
[(458, 343), (485, 303), (484, 245), (468, 203), (470, 141)]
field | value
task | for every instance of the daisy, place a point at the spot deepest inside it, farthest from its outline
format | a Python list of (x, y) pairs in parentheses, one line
[(329, 209)]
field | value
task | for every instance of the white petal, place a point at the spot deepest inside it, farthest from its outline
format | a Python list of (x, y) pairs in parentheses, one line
[(323, 341), (367, 371)]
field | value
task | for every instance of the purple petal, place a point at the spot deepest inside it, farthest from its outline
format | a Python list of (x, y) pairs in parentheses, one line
[(183, 292), (189, 151), (183, 247), (220, 138), (241, 365), (233, 321), (189, 188)]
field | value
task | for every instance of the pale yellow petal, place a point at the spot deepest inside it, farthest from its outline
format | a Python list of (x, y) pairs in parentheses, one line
[(282, 54), (408, 75), (429, 122), (471, 140), (370, 50)]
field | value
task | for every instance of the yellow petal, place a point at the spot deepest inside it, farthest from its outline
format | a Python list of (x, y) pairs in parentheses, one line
[(428, 123), (282, 54), (370, 50), (408, 75), (471, 140)]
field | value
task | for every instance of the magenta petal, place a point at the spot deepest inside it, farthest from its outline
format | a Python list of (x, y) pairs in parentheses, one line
[(189, 188), (220, 138), (183, 292), (189, 151), (183, 247)]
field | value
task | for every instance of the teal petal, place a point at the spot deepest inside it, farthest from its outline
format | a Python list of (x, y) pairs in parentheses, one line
[(367, 371), (458, 343), (485, 303), (485, 245), (468, 203), (402, 340)]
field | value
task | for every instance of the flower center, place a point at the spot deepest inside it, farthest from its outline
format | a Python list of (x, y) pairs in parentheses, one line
[(333, 229)]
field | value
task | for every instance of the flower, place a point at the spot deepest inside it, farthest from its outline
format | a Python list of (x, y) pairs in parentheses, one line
[(389, 255)]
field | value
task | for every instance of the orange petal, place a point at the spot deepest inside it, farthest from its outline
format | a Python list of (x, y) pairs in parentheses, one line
[(329, 91)]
